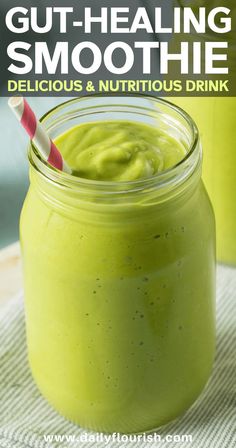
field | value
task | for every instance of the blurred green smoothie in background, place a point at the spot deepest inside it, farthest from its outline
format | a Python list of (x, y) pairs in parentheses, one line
[(216, 120)]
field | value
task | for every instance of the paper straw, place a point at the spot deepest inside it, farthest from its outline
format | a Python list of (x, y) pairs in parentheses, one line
[(37, 133)]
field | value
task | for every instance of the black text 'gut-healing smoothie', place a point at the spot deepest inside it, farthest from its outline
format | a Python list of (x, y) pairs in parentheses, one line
[(119, 265)]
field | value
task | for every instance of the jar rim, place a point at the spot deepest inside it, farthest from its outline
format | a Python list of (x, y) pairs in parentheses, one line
[(184, 167)]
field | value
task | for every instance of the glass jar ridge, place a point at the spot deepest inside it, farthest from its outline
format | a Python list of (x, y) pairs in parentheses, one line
[(153, 111)]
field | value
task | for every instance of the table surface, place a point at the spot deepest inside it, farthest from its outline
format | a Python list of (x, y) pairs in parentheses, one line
[(10, 272)]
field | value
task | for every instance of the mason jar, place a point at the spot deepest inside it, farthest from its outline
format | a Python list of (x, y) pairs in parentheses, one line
[(119, 279)]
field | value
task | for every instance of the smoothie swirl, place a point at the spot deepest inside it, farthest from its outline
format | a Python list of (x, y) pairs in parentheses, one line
[(119, 150)]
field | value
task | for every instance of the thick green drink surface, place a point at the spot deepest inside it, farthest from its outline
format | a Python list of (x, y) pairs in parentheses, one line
[(119, 150)]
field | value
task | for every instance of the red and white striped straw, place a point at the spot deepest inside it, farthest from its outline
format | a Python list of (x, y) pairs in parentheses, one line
[(37, 133)]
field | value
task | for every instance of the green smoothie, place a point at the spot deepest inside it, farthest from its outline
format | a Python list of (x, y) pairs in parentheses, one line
[(119, 150), (119, 285), (216, 118)]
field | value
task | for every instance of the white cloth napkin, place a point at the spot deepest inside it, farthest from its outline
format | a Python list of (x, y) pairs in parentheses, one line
[(26, 419)]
